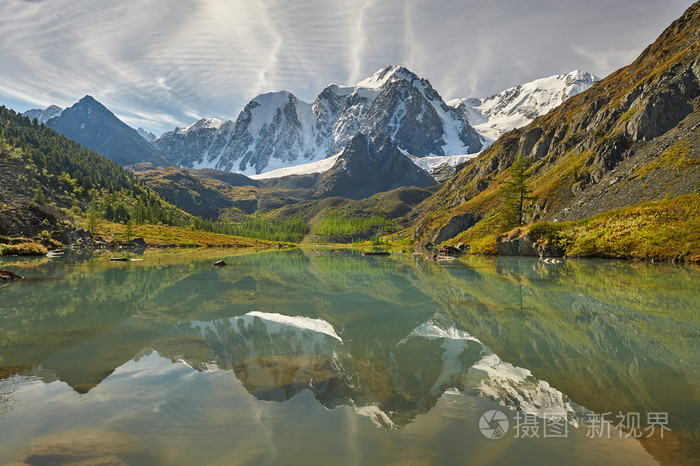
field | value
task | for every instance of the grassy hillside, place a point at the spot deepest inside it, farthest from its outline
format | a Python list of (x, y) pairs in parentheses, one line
[(663, 230), (51, 186), (632, 138)]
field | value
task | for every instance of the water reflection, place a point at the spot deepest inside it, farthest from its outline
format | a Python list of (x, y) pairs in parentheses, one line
[(275, 357), (387, 338)]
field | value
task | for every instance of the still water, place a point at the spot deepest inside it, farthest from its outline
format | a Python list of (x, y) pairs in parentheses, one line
[(319, 357)]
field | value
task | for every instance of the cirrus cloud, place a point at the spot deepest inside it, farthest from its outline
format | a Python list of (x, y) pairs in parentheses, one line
[(157, 63)]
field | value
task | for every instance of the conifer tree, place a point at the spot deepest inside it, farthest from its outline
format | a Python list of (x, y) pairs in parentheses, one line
[(516, 195), (39, 197)]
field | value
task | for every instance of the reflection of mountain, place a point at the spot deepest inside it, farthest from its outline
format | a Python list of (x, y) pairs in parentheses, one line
[(613, 336), (277, 356), (638, 342)]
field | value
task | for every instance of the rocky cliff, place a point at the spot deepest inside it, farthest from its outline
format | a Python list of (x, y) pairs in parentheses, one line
[(632, 137)]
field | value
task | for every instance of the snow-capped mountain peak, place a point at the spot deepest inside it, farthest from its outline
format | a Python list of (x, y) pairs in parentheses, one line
[(147, 135), (517, 106), (277, 130), (384, 75), (43, 115), (204, 123)]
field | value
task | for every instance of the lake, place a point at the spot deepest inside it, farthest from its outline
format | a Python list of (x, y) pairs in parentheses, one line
[(309, 356)]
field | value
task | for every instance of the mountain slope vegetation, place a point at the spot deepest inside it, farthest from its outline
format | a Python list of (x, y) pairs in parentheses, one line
[(50, 186), (633, 137)]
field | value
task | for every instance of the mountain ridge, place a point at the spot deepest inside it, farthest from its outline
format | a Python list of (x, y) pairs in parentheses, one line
[(277, 129), (517, 106), (632, 137), (91, 124)]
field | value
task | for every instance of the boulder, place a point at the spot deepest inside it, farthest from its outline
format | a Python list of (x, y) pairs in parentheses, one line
[(88, 447), (449, 249), (139, 242), (520, 242)]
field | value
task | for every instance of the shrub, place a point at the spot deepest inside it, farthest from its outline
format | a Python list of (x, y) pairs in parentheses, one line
[(23, 249)]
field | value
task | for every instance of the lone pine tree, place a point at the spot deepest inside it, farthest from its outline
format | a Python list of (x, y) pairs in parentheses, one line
[(516, 195)]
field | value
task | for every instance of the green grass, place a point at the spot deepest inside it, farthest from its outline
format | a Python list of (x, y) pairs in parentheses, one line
[(23, 249), (162, 235), (663, 230)]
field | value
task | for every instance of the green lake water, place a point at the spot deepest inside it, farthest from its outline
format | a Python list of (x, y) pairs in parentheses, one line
[(309, 356)]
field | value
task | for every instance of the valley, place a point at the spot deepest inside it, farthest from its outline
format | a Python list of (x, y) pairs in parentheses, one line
[(390, 154), (375, 233)]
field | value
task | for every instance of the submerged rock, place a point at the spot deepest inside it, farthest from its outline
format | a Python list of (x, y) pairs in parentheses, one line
[(8, 275), (83, 447)]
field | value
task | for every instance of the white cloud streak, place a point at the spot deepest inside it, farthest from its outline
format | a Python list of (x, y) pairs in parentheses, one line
[(159, 63)]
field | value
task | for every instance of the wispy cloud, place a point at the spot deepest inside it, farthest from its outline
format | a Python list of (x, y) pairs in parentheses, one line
[(162, 63)]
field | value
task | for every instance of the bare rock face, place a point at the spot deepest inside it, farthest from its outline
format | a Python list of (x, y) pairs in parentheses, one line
[(663, 104), (366, 167), (455, 225)]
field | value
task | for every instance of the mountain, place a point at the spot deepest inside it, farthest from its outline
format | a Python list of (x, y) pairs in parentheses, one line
[(92, 125), (48, 183), (631, 138), (278, 130), (147, 135), (194, 145), (43, 115), (364, 168), (205, 193), (516, 107)]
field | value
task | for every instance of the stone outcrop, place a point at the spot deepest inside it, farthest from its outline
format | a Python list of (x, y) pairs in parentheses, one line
[(520, 242)]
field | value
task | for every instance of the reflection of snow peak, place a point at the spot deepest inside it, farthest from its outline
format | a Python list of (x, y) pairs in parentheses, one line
[(430, 331), (490, 376), (506, 383), (376, 415), (316, 325)]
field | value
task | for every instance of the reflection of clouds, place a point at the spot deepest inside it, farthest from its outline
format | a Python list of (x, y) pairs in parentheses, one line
[(8, 400)]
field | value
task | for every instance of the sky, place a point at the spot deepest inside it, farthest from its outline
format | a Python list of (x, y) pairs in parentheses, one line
[(159, 64)]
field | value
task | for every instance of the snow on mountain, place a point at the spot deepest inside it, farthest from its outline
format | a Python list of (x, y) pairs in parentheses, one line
[(147, 135), (442, 167), (397, 103), (320, 166), (490, 376), (518, 106), (43, 115), (278, 130)]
